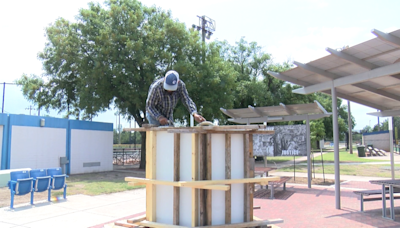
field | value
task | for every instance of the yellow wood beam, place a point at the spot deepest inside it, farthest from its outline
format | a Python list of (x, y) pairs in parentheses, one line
[(234, 225), (195, 177), (230, 181), (151, 139)]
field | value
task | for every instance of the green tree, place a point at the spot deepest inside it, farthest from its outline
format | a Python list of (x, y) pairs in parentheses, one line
[(112, 54)]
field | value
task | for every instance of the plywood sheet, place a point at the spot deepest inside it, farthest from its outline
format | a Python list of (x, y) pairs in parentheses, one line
[(164, 171), (218, 173)]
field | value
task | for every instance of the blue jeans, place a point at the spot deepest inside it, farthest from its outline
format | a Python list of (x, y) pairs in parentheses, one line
[(152, 120)]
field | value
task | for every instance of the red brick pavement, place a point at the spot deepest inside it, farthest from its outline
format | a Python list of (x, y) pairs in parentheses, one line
[(316, 207)]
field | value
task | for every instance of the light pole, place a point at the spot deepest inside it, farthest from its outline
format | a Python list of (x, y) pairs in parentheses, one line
[(207, 27)]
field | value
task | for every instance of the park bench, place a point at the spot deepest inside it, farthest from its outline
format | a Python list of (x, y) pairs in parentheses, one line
[(363, 193), (275, 184)]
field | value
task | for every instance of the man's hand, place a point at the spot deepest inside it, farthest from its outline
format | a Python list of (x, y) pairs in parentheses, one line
[(198, 118), (163, 121)]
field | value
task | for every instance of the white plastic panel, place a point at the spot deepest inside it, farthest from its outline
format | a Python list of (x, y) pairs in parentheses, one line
[(185, 202), (218, 173), (164, 171), (91, 146), (237, 172), (37, 147)]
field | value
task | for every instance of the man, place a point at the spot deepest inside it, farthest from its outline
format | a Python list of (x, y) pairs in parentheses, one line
[(163, 97)]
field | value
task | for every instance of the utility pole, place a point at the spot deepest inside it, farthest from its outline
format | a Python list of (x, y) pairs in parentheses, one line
[(206, 25), (30, 109)]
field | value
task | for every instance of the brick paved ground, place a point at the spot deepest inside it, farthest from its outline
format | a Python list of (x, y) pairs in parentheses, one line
[(316, 208)]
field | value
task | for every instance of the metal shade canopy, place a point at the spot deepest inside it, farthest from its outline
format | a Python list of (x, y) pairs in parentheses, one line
[(296, 112), (367, 73), (281, 113)]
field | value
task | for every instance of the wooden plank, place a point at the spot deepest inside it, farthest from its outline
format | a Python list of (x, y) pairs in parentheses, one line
[(234, 225), (136, 219), (228, 194), (246, 201), (209, 177), (254, 180), (177, 154), (158, 225), (136, 184), (195, 177), (151, 139), (248, 224), (251, 174), (202, 173), (137, 181)]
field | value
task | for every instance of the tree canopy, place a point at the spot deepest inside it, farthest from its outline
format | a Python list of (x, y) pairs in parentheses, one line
[(111, 54)]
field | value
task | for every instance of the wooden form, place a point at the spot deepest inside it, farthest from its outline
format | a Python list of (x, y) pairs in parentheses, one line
[(221, 168)]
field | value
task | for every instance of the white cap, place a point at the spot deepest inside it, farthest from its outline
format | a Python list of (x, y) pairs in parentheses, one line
[(171, 80)]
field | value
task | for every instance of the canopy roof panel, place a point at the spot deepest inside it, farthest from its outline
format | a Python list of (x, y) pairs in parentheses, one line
[(367, 73), (279, 113)]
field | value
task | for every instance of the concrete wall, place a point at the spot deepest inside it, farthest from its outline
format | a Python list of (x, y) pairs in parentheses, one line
[(91, 151), (27, 144), (378, 139), (37, 148)]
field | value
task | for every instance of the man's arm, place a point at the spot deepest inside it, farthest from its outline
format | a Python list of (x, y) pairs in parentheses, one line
[(187, 101), (151, 103), (190, 105)]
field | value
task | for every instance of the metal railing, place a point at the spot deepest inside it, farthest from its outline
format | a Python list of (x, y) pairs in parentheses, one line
[(126, 156)]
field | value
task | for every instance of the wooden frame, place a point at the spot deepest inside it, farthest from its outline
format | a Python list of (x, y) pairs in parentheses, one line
[(202, 182)]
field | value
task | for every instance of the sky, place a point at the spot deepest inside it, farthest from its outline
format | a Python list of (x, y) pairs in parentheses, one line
[(294, 30)]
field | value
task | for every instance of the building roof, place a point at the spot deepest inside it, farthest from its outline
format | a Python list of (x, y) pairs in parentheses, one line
[(367, 73), (279, 113)]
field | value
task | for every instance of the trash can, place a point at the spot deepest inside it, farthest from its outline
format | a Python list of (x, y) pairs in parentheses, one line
[(361, 150)]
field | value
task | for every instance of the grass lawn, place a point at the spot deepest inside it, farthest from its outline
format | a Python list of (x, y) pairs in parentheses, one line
[(280, 159), (344, 157), (354, 170), (98, 183), (87, 184)]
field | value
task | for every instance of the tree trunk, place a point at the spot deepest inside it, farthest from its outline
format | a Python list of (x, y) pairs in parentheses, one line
[(143, 151)]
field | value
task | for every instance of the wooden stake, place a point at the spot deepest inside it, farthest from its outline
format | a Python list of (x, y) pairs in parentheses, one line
[(209, 177), (246, 205), (251, 161), (195, 176), (177, 154), (228, 194), (151, 140), (202, 171)]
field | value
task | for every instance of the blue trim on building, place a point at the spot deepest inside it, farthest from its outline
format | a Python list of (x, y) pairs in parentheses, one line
[(94, 126), (68, 149), (8, 156), (4, 150), (34, 121), (376, 133), (50, 122)]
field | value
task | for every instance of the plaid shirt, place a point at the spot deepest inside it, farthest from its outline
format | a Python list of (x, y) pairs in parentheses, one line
[(161, 104)]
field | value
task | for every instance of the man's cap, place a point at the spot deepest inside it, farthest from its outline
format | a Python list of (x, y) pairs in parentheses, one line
[(171, 80)]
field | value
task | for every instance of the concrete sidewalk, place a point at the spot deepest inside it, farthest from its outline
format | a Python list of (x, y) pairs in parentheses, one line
[(76, 211), (92, 211)]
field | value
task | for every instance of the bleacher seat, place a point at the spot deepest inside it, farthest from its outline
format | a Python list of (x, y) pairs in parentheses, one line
[(41, 181), (58, 180), (20, 184)]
